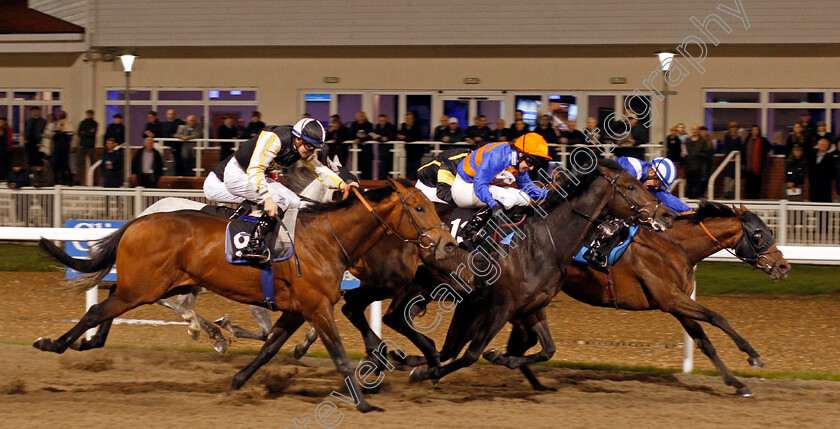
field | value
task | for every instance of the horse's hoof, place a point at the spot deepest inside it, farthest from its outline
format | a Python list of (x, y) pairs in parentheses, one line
[(194, 334), (366, 408), (417, 375), (42, 343), (221, 346), (492, 355), (756, 362), (223, 322), (744, 392), (394, 357), (544, 388), (299, 351)]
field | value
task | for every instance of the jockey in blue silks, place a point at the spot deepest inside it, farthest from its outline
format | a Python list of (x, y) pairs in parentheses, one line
[(658, 176)]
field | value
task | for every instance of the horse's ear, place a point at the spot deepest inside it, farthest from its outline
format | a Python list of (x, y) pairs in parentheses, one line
[(743, 209), (396, 185), (336, 163)]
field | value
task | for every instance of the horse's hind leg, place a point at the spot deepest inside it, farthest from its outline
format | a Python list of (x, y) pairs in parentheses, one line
[(696, 331), (99, 313), (522, 338), (684, 306), (397, 319), (98, 339), (184, 305), (303, 347), (285, 326), (539, 325)]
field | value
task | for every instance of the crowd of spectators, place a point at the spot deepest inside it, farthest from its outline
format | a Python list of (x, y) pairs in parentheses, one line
[(811, 151)]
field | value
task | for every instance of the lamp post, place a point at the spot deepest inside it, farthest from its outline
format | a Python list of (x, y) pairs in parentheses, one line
[(127, 62), (665, 58)]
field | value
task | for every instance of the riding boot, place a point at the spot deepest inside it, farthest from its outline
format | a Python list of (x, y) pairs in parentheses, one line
[(244, 208), (255, 250), (469, 233), (596, 258)]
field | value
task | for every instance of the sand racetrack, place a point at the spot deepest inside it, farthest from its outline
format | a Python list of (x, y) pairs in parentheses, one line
[(140, 387)]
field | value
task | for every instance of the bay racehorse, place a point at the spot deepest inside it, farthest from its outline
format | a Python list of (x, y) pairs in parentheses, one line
[(167, 254)]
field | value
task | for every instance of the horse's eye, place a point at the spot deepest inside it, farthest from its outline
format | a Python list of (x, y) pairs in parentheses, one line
[(631, 187), (419, 209), (758, 235)]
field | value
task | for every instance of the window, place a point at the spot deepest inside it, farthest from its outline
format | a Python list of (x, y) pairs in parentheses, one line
[(17, 102), (733, 97)]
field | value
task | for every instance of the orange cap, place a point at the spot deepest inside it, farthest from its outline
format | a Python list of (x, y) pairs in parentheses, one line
[(532, 144)]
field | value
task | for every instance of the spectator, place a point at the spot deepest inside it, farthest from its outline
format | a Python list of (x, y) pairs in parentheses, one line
[(545, 129), (731, 143), (42, 176), (519, 115), (46, 147), (591, 134), (154, 128), (796, 167), (5, 147), (256, 125), (116, 129), (87, 140), (337, 134), (673, 145), (18, 177), (822, 172), (755, 149), (226, 131), (699, 148), (479, 133), (441, 129), (384, 131), (410, 132), (453, 133), (797, 137), (808, 128), (33, 129), (572, 135), (519, 128), (147, 165), (501, 133), (242, 128), (168, 130), (112, 164), (187, 133), (305, 115), (683, 138), (61, 150), (823, 133), (360, 131)]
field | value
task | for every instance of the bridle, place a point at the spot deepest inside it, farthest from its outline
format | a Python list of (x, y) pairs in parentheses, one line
[(761, 253), (421, 232)]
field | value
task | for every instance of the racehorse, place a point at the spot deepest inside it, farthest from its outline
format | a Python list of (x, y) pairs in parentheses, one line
[(655, 272), (167, 254), (526, 279)]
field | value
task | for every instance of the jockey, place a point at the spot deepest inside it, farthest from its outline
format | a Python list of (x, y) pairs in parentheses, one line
[(657, 176), (435, 178), (483, 177), (242, 176)]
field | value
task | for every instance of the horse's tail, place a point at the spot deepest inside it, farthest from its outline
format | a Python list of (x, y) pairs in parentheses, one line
[(103, 255)]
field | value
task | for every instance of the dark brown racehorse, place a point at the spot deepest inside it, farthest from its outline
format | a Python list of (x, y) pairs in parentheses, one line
[(168, 254), (657, 272)]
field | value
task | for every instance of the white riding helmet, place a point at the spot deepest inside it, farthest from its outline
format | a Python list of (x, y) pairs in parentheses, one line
[(666, 170), (634, 167), (310, 130)]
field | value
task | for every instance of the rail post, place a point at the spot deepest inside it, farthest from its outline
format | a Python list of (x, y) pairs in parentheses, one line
[(57, 207), (783, 222), (688, 342), (138, 200)]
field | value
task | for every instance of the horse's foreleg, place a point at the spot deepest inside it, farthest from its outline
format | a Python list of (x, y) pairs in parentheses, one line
[(355, 303), (539, 326), (682, 305), (304, 346), (323, 321), (261, 315), (520, 341), (106, 310), (397, 319), (696, 331), (285, 326), (484, 334)]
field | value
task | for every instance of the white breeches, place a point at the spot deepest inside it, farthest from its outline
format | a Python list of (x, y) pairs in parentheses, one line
[(236, 188), (429, 192), (464, 195)]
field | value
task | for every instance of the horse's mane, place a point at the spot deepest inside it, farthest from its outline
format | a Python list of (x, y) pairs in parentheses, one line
[(373, 195), (573, 189), (299, 181), (708, 209)]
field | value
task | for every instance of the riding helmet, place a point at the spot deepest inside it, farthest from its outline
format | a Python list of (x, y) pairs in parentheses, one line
[(310, 130)]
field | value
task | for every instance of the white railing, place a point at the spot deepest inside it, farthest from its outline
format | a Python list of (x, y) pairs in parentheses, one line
[(734, 156)]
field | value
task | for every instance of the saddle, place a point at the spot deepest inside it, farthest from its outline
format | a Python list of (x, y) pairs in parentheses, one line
[(614, 245)]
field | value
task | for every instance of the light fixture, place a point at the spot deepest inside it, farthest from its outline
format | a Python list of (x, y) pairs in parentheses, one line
[(331, 79), (127, 62), (472, 80), (665, 58)]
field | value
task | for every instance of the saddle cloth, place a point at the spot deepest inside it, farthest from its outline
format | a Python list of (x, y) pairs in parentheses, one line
[(614, 247), (503, 234), (238, 234)]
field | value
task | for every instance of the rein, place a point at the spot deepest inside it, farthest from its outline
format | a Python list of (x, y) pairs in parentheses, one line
[(759, 253)]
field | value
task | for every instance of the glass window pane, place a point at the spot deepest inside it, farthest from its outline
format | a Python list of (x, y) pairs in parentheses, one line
[(600, 107), (732, 97), (180, 95), (797, 97), (459, 109), (319, 110), (564, 108), (241, 116), (385, 105), (348, 106), (136, 121), (136, 95), (2, 95), (493, 110), (530, 105), (26, 95), (421, 106), (780, 123), (56, 95), (235, 95)]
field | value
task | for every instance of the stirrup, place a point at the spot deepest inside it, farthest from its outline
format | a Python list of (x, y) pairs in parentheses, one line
[(596, 259), (244, 208), (257, 255)]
